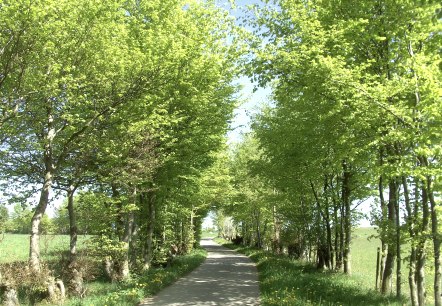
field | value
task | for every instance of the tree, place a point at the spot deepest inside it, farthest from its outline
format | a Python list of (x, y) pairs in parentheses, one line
[(349, 92), (4, 218)]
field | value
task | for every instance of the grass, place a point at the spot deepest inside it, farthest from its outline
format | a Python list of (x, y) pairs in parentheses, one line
[(289, 282), (209, 234), (15, 247)]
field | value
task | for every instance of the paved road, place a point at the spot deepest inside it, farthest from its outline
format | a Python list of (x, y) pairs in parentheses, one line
[(225, 278)]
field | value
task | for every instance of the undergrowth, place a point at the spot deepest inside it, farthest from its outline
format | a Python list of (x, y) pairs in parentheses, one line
[(132, 291)]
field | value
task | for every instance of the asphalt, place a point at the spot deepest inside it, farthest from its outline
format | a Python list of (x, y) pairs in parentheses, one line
[(225, 278)]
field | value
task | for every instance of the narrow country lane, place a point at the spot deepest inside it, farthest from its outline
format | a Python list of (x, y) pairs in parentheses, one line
[(225, 278)]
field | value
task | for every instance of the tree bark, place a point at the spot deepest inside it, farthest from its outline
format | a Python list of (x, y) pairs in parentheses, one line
[(347, 217), (258, 228), (148, 255), (276, 232), (421, 248), (391, 255), (411, 229), (34, 246), (336, 235), (398, 250), (384, 216), (436, 244), (73, 230)]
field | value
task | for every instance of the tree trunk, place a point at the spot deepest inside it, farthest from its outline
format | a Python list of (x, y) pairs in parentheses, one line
[(148, 255), (384, 216), (329, 261), (34, 249), (436, 244), (124, 265), (421, 248), (73, 231), (391, 255), (336, 223), (276, 233), (75, 271), (340, 262), (420, 274), (398, 251), (347, 217), (410, 225), (258, 229)]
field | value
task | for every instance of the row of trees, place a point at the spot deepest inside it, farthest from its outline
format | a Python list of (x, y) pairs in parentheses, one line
[(128, 101), (355, 115)]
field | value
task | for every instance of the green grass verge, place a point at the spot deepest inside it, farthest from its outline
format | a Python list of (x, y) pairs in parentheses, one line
[(131, 292), (284, 281)]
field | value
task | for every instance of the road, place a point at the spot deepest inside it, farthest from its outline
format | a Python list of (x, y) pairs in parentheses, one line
[(225, 278)]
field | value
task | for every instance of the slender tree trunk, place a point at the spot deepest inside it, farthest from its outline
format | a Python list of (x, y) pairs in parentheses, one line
[(75, 272), (410, 225), (336, 223), (420, 274), (398, 250), (73, 230), (329, 262), (391, 255), (384, 216), (258, 228), (347, 217), (341, 237), (436, 244), (150, 229), (276, 232), (190, 237), (421, 248)]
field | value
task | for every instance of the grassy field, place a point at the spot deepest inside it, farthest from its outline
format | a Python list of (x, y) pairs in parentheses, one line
[(288, 282), (15, 247)]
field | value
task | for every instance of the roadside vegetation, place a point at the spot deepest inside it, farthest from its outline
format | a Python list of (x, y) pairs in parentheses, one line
[(288, 281), (97, 289)]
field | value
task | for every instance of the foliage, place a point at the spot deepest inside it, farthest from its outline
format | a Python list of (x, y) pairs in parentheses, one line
[(4, 218)]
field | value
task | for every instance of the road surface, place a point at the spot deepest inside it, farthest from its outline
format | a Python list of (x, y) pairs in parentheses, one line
[(225, 278)]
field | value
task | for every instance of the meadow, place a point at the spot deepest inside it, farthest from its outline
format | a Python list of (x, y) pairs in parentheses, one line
[(15, 247)]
